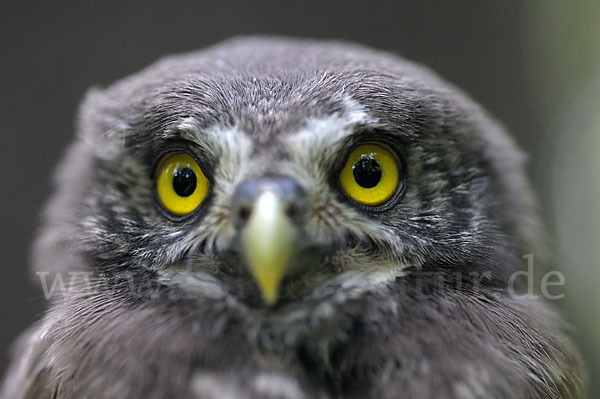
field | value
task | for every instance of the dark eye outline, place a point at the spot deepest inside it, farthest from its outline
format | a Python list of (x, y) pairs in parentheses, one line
[(402, 175), (202, 207)]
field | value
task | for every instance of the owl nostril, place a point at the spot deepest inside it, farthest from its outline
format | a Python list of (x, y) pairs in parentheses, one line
[(290, 193), (244, 212), (292, 211)]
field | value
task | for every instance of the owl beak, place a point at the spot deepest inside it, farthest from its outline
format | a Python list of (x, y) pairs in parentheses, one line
[(268, 242)]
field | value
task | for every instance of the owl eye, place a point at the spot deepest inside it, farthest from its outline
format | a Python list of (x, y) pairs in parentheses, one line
[(180, 184), (371, 175)]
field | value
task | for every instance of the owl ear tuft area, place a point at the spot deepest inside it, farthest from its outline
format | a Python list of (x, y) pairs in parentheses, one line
[(100, 124), (54, 250)]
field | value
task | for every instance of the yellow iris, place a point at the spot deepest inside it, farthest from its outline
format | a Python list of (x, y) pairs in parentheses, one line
[(371, 174), (180, 184)]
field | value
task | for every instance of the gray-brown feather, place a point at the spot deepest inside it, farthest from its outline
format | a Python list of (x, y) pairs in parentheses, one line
[(393, 311)]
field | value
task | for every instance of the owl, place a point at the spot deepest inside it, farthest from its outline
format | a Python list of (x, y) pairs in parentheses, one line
[(285, 218)]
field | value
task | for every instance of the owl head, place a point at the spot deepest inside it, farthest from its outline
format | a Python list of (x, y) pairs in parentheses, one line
[(275, 170)]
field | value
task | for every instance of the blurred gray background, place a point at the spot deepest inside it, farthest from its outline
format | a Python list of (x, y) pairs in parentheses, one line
[(535, 65)]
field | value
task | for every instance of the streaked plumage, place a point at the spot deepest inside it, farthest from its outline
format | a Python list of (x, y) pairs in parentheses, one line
[(407, 301)]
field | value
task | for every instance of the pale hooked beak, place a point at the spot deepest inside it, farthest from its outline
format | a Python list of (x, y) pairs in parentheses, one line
[(269, 237), (268, 244)]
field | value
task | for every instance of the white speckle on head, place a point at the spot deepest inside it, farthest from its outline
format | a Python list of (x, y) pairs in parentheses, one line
[(231, 145), (474, 383), (275, 385), (212, 385), (326, 132)]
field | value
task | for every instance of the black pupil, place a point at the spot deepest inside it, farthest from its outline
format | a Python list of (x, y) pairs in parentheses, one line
[(367, 172), (184, 182)]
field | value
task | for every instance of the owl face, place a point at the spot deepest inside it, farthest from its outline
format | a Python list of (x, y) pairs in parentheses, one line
[(276, 171)]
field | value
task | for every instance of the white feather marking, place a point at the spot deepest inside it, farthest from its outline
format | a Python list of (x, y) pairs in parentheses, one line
[(320, 133)]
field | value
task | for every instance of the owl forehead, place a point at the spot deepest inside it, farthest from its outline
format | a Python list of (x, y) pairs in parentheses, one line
[(278, 117), (277, 125), (274, 121), (259, 106), (285, 113), (266, 101), (313, 145)]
